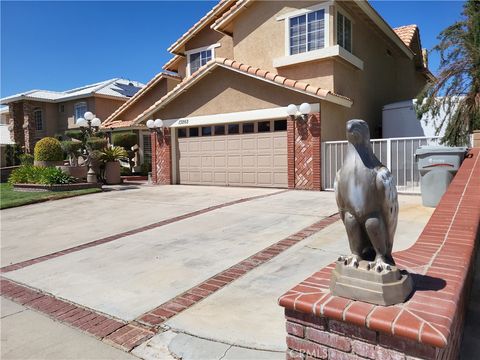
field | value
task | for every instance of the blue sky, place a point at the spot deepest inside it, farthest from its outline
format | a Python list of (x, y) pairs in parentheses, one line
[(62, 45)]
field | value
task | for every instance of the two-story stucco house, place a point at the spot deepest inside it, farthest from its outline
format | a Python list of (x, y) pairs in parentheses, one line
[(35, 114), (241, 65)]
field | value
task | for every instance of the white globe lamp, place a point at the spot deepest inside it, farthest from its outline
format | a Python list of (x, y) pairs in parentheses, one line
[(96, 122), (305, 109), (158, 123), (88, 116), (292, 110), (150, 124), (82, 122)]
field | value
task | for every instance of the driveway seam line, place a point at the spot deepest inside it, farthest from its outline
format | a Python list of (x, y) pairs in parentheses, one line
[(158, 315), (110, 238)]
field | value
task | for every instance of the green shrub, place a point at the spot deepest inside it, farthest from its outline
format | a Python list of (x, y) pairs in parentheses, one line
[(12, 154), (48, 149), (71, 147), (75, 134), (124, 171), (28, 174), (125, 139), (51, 175), (145, 168), (26, 159), (25, 174), (95, 143)]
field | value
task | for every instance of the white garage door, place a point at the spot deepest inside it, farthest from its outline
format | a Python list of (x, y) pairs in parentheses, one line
[(246, 154)]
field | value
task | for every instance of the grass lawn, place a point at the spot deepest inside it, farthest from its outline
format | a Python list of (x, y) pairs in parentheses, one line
[(10, 198)]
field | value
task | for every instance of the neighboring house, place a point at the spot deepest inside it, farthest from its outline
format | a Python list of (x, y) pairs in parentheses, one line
[(244, 62), (4, 134), (39, 113), (400, 120)]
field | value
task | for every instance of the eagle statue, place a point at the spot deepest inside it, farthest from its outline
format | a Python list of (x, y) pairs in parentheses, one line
[(367, 201)]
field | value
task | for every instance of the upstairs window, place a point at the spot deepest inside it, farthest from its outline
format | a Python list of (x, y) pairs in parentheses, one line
[(38, 118), (344, 32), (307, 32), (80, 110), (196, 58)]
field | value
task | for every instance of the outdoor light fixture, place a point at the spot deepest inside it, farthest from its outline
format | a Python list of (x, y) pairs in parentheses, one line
[(82, 122), (155, 125), (96, 122), (299, 112)]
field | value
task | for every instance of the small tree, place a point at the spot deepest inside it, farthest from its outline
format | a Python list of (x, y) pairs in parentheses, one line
[(456, 91)]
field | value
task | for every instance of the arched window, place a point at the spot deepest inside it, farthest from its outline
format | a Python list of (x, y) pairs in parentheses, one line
[(38, 118), (80, 110)]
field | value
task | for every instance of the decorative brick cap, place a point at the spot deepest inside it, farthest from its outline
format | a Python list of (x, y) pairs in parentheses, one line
[(439, 262)]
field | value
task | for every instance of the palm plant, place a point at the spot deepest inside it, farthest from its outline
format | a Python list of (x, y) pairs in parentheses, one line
[(456, 90), (114, 153)]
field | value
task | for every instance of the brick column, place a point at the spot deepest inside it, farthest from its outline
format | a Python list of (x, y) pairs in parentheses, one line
[(303, 145), (28, 127), (162, 157), (16, 123)]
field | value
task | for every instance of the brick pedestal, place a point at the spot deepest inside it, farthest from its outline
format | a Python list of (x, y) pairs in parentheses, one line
[(429, 324), (16, 121), (303, 139), (161, 157)]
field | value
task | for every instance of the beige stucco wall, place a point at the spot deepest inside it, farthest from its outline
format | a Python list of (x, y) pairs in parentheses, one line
[(207, 37), (387, 76), (104, 107), (225, 91)]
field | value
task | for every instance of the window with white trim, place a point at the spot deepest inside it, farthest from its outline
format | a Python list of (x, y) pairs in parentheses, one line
[(344, 31), (198, 59), (38, 118), (80, 110), (307, 32)]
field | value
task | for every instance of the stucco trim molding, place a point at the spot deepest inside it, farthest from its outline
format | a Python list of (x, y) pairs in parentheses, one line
[(325, 53), (234, 117)]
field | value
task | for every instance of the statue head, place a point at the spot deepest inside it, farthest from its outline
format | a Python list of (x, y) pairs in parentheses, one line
[(358, 132)]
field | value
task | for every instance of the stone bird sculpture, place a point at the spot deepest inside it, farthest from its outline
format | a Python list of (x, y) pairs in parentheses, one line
[(367, 200)]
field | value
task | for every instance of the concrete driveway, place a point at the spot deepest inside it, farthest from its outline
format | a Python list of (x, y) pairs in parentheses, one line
[(163, 241)]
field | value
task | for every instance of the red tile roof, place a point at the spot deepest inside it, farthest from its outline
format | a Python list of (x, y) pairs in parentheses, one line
[(234, 10), (264, 75), (406, 33)]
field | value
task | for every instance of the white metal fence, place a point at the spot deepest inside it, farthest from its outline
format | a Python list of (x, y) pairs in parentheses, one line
[(398, 154)]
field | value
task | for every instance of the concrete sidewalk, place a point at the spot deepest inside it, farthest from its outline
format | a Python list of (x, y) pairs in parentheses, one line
[(27, 334)]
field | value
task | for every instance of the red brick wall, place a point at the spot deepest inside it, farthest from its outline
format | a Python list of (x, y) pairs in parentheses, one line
[(304, 153), (429, 324), (161, 157)]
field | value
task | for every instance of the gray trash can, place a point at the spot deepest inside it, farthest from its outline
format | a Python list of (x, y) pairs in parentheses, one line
[(437, 166)]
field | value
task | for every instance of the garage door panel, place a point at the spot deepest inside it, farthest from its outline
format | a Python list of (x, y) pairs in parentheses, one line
[(249, 161), (264, 143), (264, 178), (256, 159), (219, 145), (264, 161)]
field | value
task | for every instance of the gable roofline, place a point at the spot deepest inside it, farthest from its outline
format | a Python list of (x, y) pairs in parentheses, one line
[(213, 14), (154, 81), (220, 24), (167, 66), (71, 94), (247, 70)]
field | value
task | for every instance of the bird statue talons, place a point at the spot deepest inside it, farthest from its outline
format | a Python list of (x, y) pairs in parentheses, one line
[(351, 260), (379, 265)]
